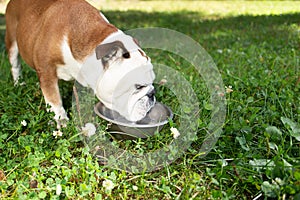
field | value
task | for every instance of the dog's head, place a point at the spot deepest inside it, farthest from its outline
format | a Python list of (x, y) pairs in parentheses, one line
[(125, 85)]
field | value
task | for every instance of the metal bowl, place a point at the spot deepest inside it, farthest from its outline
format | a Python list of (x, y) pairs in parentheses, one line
[(155, 119)]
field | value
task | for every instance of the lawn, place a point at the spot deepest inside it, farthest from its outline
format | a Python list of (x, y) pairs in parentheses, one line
[(255, 46)]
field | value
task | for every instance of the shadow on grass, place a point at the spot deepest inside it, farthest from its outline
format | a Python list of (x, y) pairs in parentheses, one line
[(2, 32), (211, 33)]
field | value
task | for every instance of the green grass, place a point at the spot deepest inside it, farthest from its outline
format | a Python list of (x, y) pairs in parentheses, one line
[(255, 46)]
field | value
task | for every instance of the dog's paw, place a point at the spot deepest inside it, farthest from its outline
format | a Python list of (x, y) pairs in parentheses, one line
[(61, 118), (62, 123)]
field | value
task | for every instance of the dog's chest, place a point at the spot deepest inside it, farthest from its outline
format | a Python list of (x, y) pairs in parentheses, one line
[(71, 67), (86, 72)]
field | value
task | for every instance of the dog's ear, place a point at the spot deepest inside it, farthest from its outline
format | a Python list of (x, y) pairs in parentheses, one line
[(111, 51)]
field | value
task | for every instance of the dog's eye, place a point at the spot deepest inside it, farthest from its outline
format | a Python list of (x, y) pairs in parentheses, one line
[(139, 87), (126, 55)]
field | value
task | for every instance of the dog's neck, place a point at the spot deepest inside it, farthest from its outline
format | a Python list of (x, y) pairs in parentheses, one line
[(92, 68)]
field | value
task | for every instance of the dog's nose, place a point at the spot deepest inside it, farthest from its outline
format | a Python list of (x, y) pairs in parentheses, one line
[(151, 93)]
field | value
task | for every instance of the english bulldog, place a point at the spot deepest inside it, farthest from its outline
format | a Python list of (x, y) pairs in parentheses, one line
[(70, 39)]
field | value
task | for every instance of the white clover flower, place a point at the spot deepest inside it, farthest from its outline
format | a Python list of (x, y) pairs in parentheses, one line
[(58, 189), (220, 51), (279, 181), (163, 81), (228, 89), (89, 129), (175, 132), (217, 87), (24, 123), (57, 133), (135, 188), (108, 184)]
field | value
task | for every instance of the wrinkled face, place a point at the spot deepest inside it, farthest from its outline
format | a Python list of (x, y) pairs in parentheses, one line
[(125, 85)]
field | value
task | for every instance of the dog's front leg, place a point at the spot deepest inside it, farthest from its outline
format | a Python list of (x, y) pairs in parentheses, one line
[(50, 89)]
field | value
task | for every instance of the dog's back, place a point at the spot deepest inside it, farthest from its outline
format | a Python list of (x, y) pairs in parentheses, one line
[(37, 24)]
